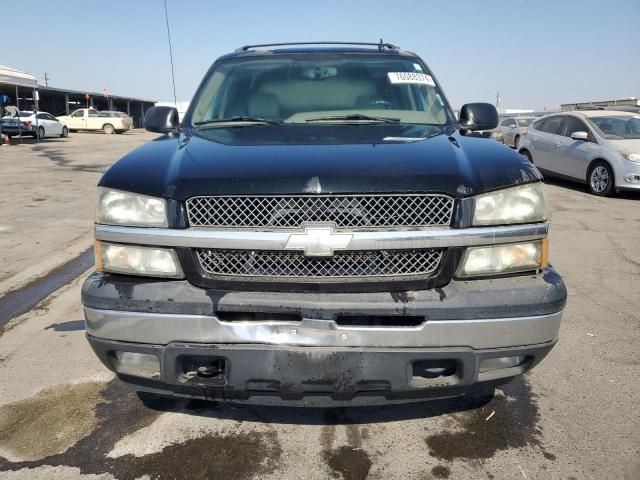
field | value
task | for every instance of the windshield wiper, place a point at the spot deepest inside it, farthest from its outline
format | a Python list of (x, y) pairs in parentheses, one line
[(355, 116), (238, 118)]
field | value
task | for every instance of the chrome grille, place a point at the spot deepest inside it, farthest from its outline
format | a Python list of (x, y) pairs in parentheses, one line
[(375, 211), (352, 263)]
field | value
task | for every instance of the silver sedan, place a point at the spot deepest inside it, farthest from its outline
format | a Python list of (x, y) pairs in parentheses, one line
[(512, 129), (597, 147)]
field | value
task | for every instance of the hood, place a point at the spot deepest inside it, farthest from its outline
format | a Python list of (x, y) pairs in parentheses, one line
[(295, 159), (629, 146)]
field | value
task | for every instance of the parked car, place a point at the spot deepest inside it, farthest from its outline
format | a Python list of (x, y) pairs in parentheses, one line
[(598, 147), (512, 129), (91, 119), (320, 224), (25, 123)]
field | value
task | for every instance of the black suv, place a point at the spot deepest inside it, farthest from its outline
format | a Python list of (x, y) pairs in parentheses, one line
[(320, 224)]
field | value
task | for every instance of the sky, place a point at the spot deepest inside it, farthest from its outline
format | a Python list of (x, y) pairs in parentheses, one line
[(537, 54)]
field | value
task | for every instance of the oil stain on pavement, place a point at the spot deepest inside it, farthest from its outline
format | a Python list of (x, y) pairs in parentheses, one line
[(38, 427), (79, 425), (440, 471), (106, 413), (349, 462), (507, 421)]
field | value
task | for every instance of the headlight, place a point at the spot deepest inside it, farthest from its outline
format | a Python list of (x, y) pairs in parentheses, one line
[(521, 204), (132, 260), (115, 207), (634, 157), (518, 257)]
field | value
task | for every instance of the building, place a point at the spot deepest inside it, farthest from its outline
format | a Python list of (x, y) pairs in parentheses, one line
[(631, 102), (23, 91)]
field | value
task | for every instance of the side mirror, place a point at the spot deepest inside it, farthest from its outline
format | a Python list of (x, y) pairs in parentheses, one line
[(161, 119), (584, 136), (478, 116)]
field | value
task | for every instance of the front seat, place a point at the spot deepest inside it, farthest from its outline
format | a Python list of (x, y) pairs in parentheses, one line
[(263, 105)]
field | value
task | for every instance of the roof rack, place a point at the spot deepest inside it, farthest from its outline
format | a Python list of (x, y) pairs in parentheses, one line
[(381, 45)]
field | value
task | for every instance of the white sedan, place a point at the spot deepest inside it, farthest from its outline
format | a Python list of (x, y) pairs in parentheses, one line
[(25, 123)]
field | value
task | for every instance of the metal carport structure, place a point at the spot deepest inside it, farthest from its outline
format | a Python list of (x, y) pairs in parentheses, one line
[(62, 101), (18, 85), (25, 93)]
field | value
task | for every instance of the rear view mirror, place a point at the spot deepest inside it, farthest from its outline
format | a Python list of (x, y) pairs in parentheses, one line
[(478, 116), (584, 136), (161, 119)]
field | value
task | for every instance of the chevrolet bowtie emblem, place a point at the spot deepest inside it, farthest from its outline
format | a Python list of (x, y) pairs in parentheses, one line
[(318, 241)]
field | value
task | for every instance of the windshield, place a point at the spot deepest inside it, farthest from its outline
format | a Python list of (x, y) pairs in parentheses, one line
[(524, 122), (618, 127), (320, 88), (25, 114)]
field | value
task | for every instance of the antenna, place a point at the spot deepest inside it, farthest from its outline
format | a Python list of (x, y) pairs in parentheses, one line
[(46, 79), (173, 77)]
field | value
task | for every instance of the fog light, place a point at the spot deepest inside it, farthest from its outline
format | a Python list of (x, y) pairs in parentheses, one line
[(633, 178), (499, 363), (137, 364)]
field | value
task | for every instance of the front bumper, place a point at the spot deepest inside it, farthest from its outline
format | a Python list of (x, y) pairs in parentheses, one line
[(627, 175), (163, 329), (461, 324), (312, 374)]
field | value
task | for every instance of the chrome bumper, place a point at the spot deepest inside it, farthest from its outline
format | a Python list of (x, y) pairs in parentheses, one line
[(162, 329)]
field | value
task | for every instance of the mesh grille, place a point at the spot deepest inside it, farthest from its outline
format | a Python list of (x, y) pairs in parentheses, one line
[(354, 263), (344, 210)]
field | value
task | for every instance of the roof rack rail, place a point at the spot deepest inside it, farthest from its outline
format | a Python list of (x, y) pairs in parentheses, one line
[(381, 45)]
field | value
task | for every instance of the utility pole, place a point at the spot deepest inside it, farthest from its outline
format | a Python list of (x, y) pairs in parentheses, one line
[(46, 79)]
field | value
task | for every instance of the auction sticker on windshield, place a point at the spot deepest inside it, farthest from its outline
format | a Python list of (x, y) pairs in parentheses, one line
[(411, 77)]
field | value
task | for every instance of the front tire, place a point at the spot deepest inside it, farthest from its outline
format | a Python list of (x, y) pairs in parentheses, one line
[(600, 179), (65, 132), (108, 129), (527, 154), (480, 396)]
